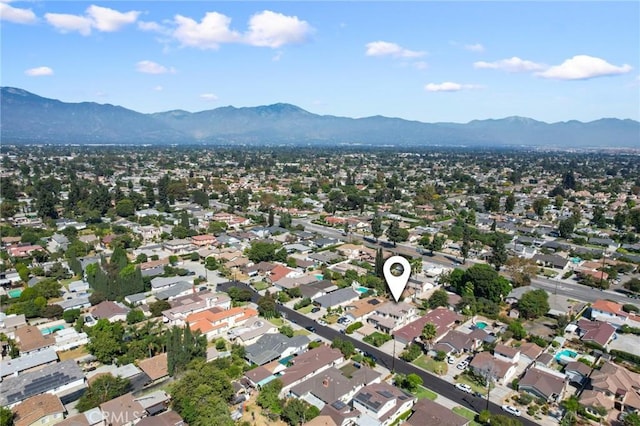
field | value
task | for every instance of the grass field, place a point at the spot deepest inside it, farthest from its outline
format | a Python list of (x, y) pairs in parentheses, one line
[(475, 386), (278, 322), (467, 414), (430, 364), (301, 332), (306, 310), (425, 393), (73, 353), (261, 285)]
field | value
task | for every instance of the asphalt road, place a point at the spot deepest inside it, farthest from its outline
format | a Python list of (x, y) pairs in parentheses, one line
[(431, 381), (569, 289)]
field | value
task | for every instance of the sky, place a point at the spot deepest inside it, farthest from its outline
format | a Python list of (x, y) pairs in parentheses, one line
[(437, 61)]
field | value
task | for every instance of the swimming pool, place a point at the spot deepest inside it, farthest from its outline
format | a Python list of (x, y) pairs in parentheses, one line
[(566, 353), (362, 289), (320, 277), (15, 293), (51, 330), (481, 325)]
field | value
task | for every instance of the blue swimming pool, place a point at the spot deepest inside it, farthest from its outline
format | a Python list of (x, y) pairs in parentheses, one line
[(362, 289), (481, 325), (51, 330), (15, 293), (566, 353)]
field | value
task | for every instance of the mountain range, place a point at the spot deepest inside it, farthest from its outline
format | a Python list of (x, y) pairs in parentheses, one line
[(28, 118)]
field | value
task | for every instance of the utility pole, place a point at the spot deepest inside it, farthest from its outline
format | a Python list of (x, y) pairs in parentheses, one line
[(393, 359)]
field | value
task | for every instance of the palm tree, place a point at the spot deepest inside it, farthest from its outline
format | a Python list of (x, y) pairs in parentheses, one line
[(416, 265), (429, 332)]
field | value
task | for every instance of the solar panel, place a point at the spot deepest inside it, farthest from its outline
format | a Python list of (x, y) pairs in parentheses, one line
[(338, 405)]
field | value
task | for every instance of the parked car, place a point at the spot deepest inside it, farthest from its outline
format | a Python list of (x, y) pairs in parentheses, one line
[(464, 387), (462, 365), (314, 310), (311, 328), (450, 359), (322, 322), (511, 410)]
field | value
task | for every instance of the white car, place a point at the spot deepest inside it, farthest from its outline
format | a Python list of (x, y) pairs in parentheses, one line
[(511, 410), (322, 322), (462, 365), (464, 387), (450, 359)]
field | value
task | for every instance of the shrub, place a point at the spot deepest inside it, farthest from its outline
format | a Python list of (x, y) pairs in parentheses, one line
[(353, 327)]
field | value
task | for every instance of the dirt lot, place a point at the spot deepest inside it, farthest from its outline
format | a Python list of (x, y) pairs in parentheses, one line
[(542, 326), (253, 414)]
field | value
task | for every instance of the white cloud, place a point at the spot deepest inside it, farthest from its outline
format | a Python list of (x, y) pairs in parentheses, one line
[(16, 15), (209, 97), (39, 71), (212, 31), (100, 18), (152, 27), (477, 47), (449, 86), (272, 29), (583, 67), (150, 67), (66, 23), (421, 65), (385, 48), (158, 88), (513, 64)]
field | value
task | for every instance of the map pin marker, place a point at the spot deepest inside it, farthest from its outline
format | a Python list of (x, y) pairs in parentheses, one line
[(396, 283)]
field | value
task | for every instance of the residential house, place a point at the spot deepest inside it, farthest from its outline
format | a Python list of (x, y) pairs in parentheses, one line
[(608, 311), (168, 418), (307, 365), (619, 385), (577, 372), (287, 282), (155, 367), (597, 332), (543, 383), (30, 340), (442, 318), (361, 309), (280, 271), (251, 331), (552, 261), (163, 283), (204, 240), (216, 321), (183, 306), (9, 323), (506, 353), (336, 414), (274, 346), (341, 297), (381, 403), (182, 288), (429, 413), (124, 410), (64, 379), (489, 366), (112, 311), (44, 409), (390, 316), (58, 242), (69, 338), (456, 342), (529, 351), (24, 250), (179, 246), (79, 286), (154, 402), (26, 363), (332, 385)]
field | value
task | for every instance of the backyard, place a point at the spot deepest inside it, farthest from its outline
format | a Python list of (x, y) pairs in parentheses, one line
[(430, 364)]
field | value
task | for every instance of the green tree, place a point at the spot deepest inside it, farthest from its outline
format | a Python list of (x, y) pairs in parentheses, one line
[(539, 205), (201, 198), (262, 251), (346, 347), (267, 306), (631, 419), (135, 316), (498, 253), (71, 315), (518, 330), (158, 306), (294, 411), (379, 263), (376, 227), (429, 332), (566, 227), (268, 397), (486, 283), (534, 304), (103, 389), (440, 297), (411, 352), (410, 382), (6, 416), (285, 220), (396, 234), (510, 202), (271, 219), (125, 208), (521, 270), (286, 330)]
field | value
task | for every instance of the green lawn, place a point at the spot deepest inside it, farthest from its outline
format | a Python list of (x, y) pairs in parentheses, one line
[(278, 322), (430, 364), (467, 414), (475, 386), (306, 310), (425, 393), (261, 285), (301, 332)]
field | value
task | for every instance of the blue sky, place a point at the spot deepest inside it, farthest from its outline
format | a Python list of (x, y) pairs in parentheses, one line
[(429, 61)]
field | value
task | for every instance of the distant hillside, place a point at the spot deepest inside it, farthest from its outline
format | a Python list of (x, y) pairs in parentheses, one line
[(28, 118)]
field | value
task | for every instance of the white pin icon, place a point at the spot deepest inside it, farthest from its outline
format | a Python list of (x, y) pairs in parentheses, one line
[(396, 283)]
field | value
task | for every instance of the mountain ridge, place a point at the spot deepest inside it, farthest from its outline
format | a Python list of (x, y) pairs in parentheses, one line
[(30, 118)]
